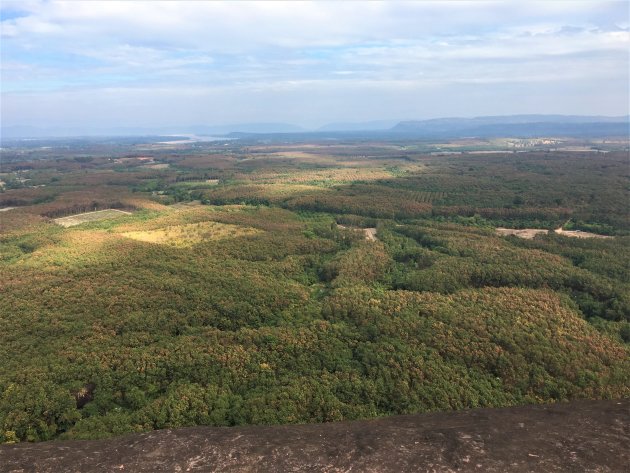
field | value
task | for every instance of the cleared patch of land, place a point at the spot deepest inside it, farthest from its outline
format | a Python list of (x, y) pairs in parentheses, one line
[(370, 233), (527, 233), (320, 176), (190, 234), (78, 219), (156, 166), (578, 234)]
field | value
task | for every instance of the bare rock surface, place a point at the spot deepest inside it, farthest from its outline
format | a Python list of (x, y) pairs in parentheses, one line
[(568, 437)]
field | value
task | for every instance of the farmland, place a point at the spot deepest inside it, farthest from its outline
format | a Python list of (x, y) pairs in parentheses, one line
[(148, 286), (86, 217)]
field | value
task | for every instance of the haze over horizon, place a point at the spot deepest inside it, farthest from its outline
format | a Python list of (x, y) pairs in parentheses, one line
[(156, 64)]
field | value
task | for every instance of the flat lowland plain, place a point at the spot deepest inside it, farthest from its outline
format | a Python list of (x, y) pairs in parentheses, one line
[(244, 301), (78, 219)]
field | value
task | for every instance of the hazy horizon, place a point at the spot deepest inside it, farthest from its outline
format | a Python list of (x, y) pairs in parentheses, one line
[(100, 65)]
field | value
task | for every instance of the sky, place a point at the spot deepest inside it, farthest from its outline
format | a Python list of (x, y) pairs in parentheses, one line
[(98, 64)]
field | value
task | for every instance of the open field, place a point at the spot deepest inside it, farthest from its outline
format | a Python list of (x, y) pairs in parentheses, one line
[(187, 235), (86, 217)]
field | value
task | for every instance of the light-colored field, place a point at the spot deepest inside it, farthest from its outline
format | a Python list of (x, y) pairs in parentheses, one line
[(146, 204), (74, 248), (303, 156), (320, 176), (183, 213), (578, 234), (527, 233), (285, 190), (190, 234), (156, 166), (370, 233), (86, 217)]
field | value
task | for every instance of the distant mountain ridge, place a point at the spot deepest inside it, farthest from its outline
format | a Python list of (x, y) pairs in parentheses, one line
[(378, 125), (512, 126), (448, 127), (458, 123)]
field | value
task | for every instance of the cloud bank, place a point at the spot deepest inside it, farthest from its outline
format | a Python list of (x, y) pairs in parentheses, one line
[(162, 63)]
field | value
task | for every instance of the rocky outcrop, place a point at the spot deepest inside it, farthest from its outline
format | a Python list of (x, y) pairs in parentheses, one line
[(580, 436)]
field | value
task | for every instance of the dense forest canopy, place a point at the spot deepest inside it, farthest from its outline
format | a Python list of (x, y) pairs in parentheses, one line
[(237, 285)]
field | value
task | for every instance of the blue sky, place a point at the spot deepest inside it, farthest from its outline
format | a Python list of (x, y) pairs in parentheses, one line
[(102, 64)]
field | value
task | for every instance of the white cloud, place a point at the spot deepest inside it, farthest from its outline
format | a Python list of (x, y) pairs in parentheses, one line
[(271, 52), (240, 26)]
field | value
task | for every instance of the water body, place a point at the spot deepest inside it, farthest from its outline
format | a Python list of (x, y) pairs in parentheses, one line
[(195, 139)]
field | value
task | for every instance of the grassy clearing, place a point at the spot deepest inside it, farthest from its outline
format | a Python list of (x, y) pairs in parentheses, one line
[(190, 234), (73, 249), (328, 176), (286, 190), (177, 214)]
